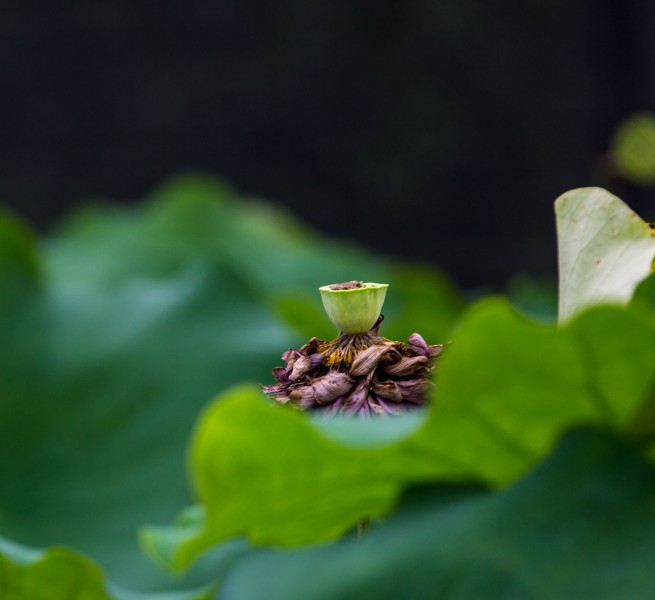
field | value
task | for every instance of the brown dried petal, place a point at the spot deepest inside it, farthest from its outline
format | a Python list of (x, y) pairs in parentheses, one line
[(386, 407), (300, 368), (278, 391), (311, 347), (290, 357), (306, 403), (414, 390), (388, 390), (375, 406), (367, 360), (281, 374), (274, 388), (435, 350), (324, 389), (407, 365), (316, 360), (333, 409), (358, 398)]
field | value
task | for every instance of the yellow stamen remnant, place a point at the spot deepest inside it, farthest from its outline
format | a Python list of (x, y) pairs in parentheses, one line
[(340, 352)]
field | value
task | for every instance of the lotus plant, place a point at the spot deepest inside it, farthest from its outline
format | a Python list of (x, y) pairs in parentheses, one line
[(359, 372)]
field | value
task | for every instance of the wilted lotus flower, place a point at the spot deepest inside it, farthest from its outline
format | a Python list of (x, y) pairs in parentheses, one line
[(359, 372)]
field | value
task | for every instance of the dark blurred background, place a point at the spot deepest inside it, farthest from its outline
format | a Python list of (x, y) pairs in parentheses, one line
[(439, 130)]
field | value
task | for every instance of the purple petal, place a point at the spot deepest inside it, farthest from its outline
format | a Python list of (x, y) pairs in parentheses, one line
[(281, 374), (315, 360), (375, 406), (414, 390), (391, 410), (290, 357), (324, 389), (335, 406), (367, 360), (388, 390), (365, 410), (300, 368), (417, 343), (306, 403), (274, 388), (407, 365), (357, 398)]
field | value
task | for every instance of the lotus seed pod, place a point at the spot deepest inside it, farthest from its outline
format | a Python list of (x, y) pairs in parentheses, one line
[(359, 372), (355, 306)]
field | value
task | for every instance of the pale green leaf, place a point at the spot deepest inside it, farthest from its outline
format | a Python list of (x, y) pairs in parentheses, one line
[(605, 249)]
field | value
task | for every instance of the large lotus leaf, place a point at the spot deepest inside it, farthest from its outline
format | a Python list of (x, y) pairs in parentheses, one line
[(117, 330), (115, 333), (195, 216), (100, 385), (605, 250), (582, 525), (266, 471), (277, 256), (63, 574), (507, 389), (53, 575)]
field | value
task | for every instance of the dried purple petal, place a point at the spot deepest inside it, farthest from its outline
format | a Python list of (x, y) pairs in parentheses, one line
[(387, 408), (281, 374), (417, 343), (357, 398), (325, 389), (389, 390), (290, 356), (414, 390), (368, 359), (408, 365), (361, 375), (311, 347), (300, 368)]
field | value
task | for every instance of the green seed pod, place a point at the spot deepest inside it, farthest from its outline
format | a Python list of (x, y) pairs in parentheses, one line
[(353, 307)]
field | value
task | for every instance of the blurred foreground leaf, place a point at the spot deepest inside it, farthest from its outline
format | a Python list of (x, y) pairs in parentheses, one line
[(63, 574), (56, 574), (605, 250), (582, 525), (507, 389)]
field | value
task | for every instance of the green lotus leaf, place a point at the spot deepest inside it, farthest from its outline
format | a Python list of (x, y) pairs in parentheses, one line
[(104, 370), (55, 574), (581, 525), (116, 330), (605, 249), (60, 573), (507, 389)]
